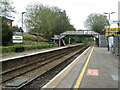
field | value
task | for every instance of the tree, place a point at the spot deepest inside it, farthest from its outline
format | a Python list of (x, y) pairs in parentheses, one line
[(17, 29), (6, 8), (7, 33), (96, 22), (46, 21)]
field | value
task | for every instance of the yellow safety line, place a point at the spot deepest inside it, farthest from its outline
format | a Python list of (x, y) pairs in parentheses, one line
[(78, 81)]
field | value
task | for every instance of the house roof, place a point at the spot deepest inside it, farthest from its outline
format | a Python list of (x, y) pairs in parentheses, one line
[(6, 18)]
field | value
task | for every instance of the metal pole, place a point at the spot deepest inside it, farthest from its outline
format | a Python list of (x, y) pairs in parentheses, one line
[(109, 24), (22, 19), (59, 42), (22, 25), (109, 16)]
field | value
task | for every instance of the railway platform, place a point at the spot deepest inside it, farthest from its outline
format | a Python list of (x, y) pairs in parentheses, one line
[(94, 68), (28, 53), (14, 54)]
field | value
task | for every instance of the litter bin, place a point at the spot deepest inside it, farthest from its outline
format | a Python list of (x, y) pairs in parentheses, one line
[(19, 49)]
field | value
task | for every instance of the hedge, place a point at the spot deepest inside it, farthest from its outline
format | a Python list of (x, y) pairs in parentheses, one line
[(29, 37), (8, 49), (25, 42)]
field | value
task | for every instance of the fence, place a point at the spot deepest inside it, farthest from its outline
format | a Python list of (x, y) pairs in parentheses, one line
[(102, 41), (116, 46)]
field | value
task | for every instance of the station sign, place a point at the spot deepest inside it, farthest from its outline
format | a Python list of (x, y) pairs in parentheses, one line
[(17, 39), (115, 21), (111, 31)]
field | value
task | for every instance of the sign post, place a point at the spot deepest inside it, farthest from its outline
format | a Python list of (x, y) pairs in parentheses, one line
[(18, 39)]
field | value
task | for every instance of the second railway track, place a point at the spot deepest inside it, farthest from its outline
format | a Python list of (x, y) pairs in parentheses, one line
[(29, 70)]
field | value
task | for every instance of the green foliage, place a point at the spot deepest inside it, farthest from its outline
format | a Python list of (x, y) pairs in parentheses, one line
[(96, 22), (6, 8), (86, 40), (78, 39), (29, 37), (32, 39), (7, 33), (46, 21), (40, 46), (8, 49), (31, 43), (16, 29)]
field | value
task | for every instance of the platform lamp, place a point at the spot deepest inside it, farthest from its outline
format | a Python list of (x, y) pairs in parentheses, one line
[(22, 29), (22, 23), (109, 20), (22, 18)]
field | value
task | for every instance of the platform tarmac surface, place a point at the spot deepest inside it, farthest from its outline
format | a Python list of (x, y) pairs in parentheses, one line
[(93, 69)]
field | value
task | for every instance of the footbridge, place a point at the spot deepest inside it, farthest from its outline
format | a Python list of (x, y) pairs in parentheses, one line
[(80, 32), (87, 33), (76, 32)]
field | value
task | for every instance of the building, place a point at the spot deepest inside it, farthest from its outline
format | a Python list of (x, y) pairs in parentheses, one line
[(7, 20)]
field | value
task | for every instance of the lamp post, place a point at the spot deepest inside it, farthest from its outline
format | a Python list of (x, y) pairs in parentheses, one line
[(22, 19), (109, 16), (22, 30), (22, 23), (109, 20)]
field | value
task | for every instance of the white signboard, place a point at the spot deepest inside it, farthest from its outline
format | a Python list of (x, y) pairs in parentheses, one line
[(115, 21), (17, 39)]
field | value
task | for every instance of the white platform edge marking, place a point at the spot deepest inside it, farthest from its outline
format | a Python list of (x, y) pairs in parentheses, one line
[(46, 86)]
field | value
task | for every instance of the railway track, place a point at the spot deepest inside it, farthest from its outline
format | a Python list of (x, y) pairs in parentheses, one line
[(18, 77)]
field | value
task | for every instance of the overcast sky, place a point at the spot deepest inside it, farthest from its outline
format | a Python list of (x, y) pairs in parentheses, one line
[(77, 10)]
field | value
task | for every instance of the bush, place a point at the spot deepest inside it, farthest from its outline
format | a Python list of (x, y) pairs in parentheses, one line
[(32, 43), (39, 46), (7, 33), (8, 49), (28, 37)]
